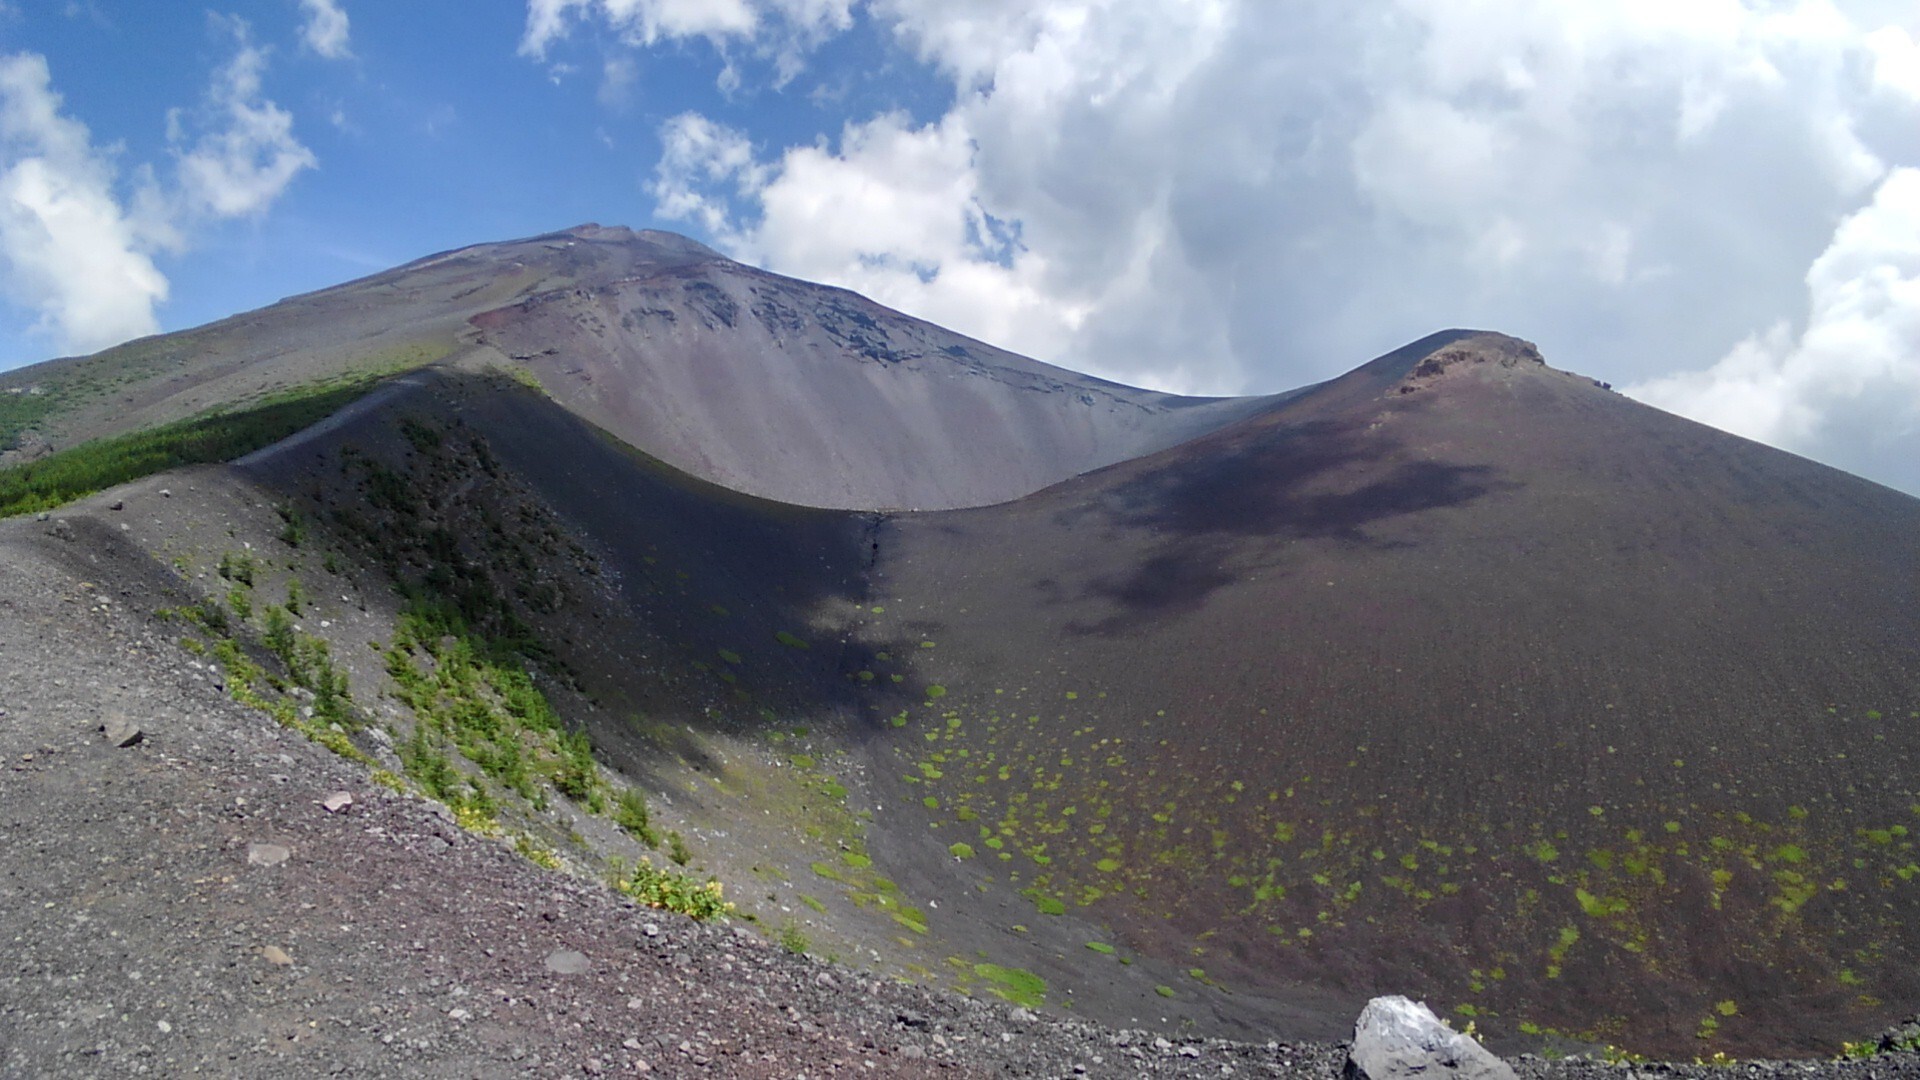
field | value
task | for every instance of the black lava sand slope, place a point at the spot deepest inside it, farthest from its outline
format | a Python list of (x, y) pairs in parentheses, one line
[(1459, 674)]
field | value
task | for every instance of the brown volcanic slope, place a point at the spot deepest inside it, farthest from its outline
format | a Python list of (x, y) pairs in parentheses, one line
[(1457, 676), (1460, 675), (775, 387), (820, 397)]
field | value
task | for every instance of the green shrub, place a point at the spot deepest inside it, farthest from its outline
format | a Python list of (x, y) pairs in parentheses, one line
[(1017, 985), (278, 635), (630, 813), (578, 778), (293, 529), (671, 890), (793, 939)]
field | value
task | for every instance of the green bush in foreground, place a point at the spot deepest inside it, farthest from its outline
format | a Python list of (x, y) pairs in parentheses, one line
[(671, 890)]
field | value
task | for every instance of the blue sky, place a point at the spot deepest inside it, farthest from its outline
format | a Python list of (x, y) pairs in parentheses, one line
[(1713, 205), (431, 133)]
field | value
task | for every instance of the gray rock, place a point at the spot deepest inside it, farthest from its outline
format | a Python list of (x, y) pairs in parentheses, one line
[(1904, 1036), (1399, 1039), (567, 962), (336, 802), (268, 854), (122, 731)]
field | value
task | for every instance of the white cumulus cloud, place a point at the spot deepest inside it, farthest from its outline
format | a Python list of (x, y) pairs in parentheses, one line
[(73, 253), (78, 241), (1854, 370), (245, 154), (326, 29), (1230, 196)]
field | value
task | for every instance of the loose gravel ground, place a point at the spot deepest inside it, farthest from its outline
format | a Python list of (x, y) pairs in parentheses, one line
[(187, 905)]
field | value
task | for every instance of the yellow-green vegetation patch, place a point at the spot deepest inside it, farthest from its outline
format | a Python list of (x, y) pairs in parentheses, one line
[(1017, 985), (671, 890), (305, 660), (1306, 861)]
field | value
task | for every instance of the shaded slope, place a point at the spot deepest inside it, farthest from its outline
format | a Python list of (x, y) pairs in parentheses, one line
[(641, 577), (720, 649), (1458, 674)]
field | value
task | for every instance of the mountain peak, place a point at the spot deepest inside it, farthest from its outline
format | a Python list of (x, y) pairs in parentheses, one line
[(1470, 350), (1481, 347), (621, 234)]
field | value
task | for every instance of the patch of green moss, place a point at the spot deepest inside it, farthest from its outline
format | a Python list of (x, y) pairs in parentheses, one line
[(1016, 985)]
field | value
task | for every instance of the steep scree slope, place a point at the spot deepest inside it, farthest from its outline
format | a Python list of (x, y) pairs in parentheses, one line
[(1459, 674)]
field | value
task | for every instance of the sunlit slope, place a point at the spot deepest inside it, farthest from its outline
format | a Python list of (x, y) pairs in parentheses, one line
[(817, 396), (397, 319), (775, 387), (1459, 675)]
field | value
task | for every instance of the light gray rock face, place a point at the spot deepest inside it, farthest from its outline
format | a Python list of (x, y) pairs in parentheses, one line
[(122, 731), (567, 962), (1398, 1039)]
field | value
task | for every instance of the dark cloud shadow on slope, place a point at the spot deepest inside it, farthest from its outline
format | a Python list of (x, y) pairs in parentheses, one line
[(1222, 507)]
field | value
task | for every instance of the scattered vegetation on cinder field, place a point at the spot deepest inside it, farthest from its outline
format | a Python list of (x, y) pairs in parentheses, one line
[(306, 671)]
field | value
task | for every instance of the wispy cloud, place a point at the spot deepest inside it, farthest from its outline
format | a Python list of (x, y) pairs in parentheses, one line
[(781, 31), (245, 154), (325, 31)]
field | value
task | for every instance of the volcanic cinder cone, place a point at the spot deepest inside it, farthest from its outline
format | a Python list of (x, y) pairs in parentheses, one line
[(1457, 676)]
